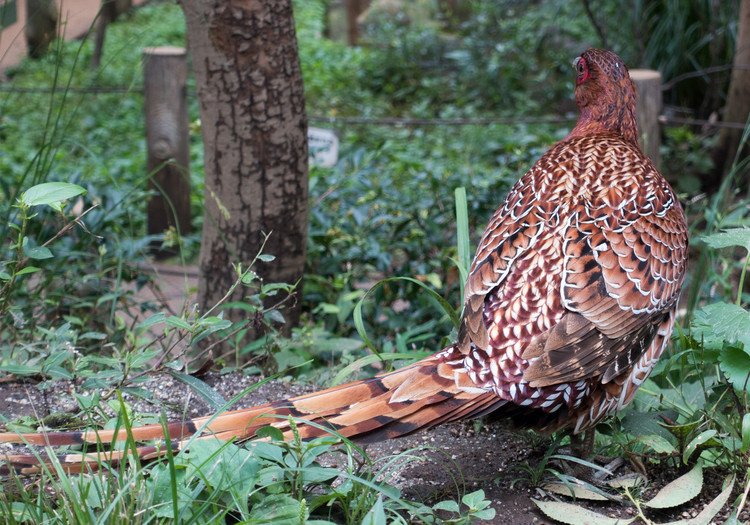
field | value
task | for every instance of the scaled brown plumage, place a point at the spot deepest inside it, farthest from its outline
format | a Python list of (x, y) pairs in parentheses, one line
[(569, 303)]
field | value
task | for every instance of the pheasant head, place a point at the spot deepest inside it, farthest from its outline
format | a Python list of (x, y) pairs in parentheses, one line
[(605, 95)]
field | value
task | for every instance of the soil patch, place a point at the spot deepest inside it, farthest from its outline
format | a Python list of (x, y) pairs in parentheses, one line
[(453, 459)]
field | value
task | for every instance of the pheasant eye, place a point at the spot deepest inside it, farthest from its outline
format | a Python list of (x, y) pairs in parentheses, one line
[(582, 70)]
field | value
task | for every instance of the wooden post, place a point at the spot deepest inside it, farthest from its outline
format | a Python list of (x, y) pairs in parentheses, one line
[(165, 75), (354, 8), (648, 85)]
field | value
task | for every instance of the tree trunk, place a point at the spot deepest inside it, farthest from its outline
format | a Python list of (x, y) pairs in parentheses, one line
[(354, 8), (110, 10), (41, 26), (252, 110), (738, 100)]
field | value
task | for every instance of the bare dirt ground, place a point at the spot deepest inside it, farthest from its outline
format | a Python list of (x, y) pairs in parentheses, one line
[(455, 458)]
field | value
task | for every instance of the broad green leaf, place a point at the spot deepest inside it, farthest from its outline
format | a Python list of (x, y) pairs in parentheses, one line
[(209, 395), (627, 481), (658, 444), (20, 370), (486, 514), (278, 509), (475, 500), (160, 484), (572, 490), (265, 450), (447, 505), (739, 237), (221, 465), (645, 423), (376, 515), (270, 432), (745, 433), (38, 253), (315, 474), (27, 270), (710, 510), (719, 322), (50, 193), (575, 515), (178, 322), (735, 363), (697, 441), (150, 321), (679, 491)]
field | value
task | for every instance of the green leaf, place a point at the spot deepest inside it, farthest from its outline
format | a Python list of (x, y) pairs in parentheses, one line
[(447, 505), (679, 491), (209, 395), (572, 490), (20, 370), (745, 433), (150, 321), (376, 515), (270, 432), (697, 441), (475, 500), (221, 465), (658, 444), (27, 270), (265, 257), (277, 509), (486, 514), (315, 474), (732, 237), (462, 237), (575, 515), (710, 510), (735, 363), (38, 253), (50, 193), (264, 450), (719, 322), (178, 322)]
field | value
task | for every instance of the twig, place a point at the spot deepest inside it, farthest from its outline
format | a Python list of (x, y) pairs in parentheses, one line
[(701, 73), (69, 225), (595, 23)]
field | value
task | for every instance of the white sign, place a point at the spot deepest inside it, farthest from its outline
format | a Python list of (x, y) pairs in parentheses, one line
[(324, 147)]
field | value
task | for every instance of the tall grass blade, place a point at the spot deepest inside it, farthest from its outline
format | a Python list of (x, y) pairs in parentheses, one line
[(462, 237)]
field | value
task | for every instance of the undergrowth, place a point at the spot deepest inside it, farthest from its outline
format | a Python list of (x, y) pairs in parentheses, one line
[(74, 254)]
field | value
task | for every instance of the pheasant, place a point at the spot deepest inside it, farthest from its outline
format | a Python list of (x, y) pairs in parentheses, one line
[(569, 303)]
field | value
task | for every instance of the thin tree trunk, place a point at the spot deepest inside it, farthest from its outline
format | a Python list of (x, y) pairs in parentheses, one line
[(738, 100), (354, 8), (252, 109), (109, 12)]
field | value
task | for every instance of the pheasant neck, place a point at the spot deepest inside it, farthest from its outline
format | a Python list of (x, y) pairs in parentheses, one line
[(619, 119)]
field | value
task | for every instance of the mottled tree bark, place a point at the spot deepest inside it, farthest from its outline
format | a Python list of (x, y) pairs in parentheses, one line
[(738, 99), (252, 108)]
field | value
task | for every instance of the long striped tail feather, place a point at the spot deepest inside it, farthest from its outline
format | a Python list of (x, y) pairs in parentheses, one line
[(386, 406)]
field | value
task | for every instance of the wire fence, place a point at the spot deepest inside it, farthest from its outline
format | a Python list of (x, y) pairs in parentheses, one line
[(665, 120)]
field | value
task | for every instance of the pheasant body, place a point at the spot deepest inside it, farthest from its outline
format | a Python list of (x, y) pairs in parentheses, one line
[(569, 302), (592, 233)]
